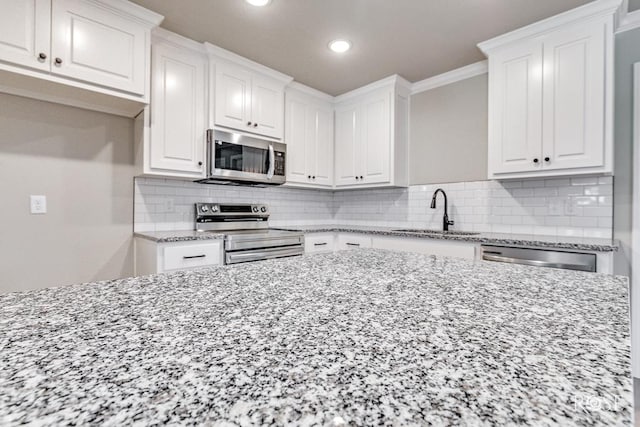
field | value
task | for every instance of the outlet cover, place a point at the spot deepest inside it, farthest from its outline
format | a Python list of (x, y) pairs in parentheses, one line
[(38, 204)]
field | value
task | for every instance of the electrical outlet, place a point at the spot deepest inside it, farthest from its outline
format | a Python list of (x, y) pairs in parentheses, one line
[(168, 206), (569, 207), (38, 204)]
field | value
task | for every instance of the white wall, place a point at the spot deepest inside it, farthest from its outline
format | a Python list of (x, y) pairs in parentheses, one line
[(83, 162), (449, 133)]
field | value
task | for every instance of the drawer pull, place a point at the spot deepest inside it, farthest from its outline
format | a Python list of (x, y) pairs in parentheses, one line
[(194, 256), (320, 244), (353, 244)]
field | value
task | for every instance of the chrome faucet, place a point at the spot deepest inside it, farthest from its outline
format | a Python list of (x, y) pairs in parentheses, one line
[(445, 219)]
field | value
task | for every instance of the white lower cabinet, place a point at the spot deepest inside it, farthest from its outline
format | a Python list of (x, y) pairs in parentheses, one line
[(347, 241), (152, 257), (319, 243), (426, 246)]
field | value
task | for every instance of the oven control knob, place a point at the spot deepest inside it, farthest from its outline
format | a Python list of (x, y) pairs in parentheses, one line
[(214, 208), (204, 208), (263, 209), (255, 209)]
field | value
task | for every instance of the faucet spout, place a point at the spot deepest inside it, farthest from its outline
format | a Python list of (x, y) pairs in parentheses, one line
[(445, 218)]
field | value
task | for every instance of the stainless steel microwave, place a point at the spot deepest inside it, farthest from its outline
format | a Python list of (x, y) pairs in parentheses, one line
[(233, 158)]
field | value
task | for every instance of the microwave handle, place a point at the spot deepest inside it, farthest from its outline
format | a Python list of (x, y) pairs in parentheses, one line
[(272, 162), (210, 152)]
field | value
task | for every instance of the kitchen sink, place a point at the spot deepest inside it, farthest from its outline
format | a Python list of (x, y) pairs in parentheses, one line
[(449, 232)]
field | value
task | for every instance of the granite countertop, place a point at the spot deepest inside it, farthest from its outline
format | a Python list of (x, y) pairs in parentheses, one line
[(524, 240), (178, 236), (358, 338)]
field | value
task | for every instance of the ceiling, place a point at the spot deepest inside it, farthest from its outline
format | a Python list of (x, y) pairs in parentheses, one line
[(416, 39)]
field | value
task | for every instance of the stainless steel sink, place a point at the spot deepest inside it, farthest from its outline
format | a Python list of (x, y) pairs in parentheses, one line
[(449, 232)]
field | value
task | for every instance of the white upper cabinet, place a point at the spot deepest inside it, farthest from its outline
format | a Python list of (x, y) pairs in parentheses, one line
[(93, 44), (87, 51), (371, 138), (25, 31), (309, 137), (178, 106), (550, 96), (248, 97)]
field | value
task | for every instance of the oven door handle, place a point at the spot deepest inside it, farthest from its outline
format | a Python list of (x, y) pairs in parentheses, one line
[(272, 162), (534, 262), (262, 254)]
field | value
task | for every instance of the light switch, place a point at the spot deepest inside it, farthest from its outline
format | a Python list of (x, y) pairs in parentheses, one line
[(38, 204)]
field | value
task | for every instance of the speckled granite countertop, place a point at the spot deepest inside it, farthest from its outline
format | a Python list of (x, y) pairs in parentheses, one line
[(361, 337), (178, 236), (525, 240)]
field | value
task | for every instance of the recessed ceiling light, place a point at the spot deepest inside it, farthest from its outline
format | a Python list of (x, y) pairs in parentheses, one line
[(340, 46), (258, 2)]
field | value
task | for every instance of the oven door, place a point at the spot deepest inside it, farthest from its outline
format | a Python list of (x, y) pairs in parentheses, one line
[(236, 157)]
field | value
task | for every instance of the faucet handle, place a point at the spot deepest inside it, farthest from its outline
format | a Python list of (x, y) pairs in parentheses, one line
[(450, 222)]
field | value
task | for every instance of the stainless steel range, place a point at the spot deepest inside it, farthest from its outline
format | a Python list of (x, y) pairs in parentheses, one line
[(247, 233)]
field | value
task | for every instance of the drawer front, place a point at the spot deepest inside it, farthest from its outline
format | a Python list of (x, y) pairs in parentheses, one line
[(190, 256), (318, 244), (353, 241)]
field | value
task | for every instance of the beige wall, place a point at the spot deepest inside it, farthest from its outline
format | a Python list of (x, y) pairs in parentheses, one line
[(83, 162), (448, 133)]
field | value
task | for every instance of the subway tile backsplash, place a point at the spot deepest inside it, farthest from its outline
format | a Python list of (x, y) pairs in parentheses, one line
[(581, 207)]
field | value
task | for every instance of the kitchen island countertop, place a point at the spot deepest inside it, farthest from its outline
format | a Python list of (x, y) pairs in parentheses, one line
[(356, 337)]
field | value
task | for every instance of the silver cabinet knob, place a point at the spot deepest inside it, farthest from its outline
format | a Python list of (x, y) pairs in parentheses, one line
[(42, 56), (248, 123), (255, 125), (58, 61)]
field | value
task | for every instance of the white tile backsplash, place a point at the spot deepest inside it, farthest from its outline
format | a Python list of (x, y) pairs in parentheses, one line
[(564, 207)]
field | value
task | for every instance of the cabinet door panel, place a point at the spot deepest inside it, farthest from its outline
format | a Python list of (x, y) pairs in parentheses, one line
[(266, 107), (515, 131), (324, 147), (296, 140), (376, 137), (574, 98), (25, 27), (347, 155), (98, 46), (178, 111), (233, 97)]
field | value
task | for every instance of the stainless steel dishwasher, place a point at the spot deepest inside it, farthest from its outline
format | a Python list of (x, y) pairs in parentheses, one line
[(569, 260)]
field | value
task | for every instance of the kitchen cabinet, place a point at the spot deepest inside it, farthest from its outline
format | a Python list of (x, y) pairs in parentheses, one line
[(176, 140), (425, 246), (152, 257), (309, 137), (102, 46), (371, 135), (248, 97), (349, 241), (319, 243), (550, 96)]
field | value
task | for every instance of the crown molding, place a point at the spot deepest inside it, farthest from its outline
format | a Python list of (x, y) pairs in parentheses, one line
[(220, 53), (449, 77), (628, 21), (394, 80), (299, 87), (159, 34), (590, 10), (145, 16)]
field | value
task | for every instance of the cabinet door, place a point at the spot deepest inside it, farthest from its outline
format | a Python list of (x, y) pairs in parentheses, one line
[(515, 112), (90, 43), (178, 112), (233, 97), (267, 107), (574, 97), (375, 135), (323, 154), (25, 28), (347, 146), (296, 135)]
